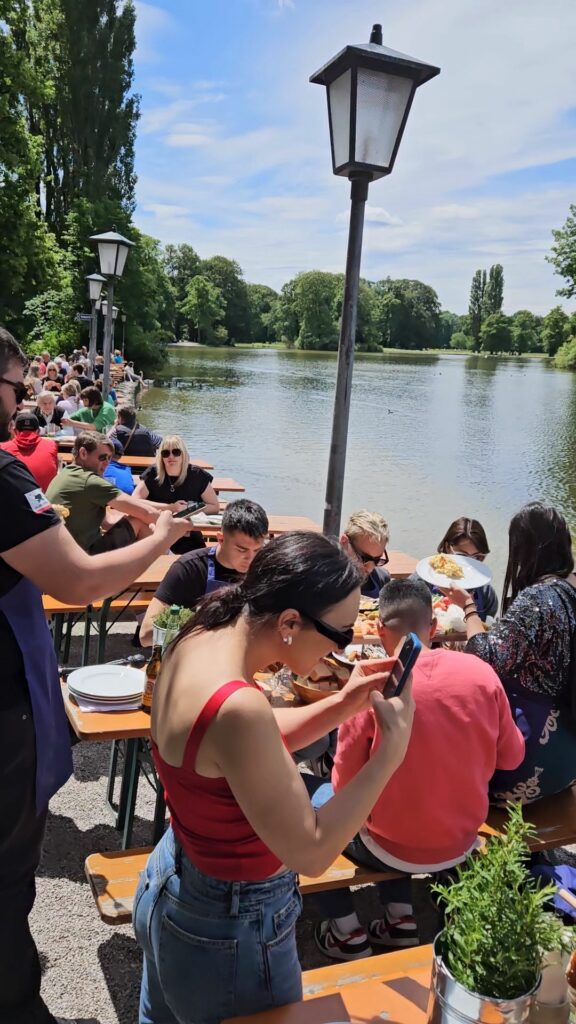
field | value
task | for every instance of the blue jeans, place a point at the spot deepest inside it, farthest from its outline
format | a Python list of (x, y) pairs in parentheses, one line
[(340, 902), (213, 949)]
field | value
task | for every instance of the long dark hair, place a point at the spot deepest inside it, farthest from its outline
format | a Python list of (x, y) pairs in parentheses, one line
[(299, 570), (539, 545), (464, 529)]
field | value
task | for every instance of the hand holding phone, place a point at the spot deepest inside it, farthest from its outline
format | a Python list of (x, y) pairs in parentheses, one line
[(408, 656), (192, 509)]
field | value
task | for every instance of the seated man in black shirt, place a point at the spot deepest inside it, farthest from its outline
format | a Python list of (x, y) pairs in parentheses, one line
[(135, 439), (244, 530), (365, 538)]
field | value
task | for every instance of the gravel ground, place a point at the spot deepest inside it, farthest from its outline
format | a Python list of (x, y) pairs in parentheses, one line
[(91, 969)]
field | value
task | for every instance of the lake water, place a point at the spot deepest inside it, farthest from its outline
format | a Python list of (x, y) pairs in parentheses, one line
[(431, 437)]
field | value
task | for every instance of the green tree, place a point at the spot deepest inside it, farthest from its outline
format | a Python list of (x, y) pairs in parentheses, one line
[(563, 254), (450, 323), (227, 276), (315, 304), (367, 332), (555, 330), (283, 317), (262, 302), (494, 291), (565, 358), (462, 341), (496, 333), (476, 304), (525, 331), (204, 305), (413, 318), (181, 263)]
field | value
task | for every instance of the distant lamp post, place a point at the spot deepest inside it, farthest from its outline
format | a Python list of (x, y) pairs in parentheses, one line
[(104, 308), (112, 250), (95, 282), (370, 91), (123, 318)]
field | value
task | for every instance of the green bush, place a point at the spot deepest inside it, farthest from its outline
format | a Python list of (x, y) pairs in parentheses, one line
[(565, 358)]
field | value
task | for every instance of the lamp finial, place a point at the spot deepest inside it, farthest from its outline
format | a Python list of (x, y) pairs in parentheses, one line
[(376, 35)]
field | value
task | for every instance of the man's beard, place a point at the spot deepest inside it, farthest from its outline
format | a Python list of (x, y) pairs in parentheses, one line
[(5, 421)]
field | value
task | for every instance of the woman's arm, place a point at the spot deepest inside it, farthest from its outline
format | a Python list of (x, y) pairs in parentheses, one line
[(140, 491), (270, 791), (210, 497)]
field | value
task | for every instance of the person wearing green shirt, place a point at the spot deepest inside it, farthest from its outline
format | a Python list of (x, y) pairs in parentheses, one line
[(96, 415)]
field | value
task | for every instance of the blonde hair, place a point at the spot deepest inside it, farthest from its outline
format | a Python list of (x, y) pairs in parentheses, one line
[(72, 387), (52, 366), (172, 441), (371, 524)]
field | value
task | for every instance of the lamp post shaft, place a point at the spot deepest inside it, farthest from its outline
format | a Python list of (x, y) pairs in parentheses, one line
[(107, 348), (93, 334), (341, 415)]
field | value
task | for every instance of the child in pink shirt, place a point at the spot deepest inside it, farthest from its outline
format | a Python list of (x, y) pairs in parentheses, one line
[(428, 816)]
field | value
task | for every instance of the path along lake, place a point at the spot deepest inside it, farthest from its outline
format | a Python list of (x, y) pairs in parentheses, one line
[(431, 437)]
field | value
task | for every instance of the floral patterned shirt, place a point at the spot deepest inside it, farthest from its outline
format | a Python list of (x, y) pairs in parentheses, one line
[(532, 642)]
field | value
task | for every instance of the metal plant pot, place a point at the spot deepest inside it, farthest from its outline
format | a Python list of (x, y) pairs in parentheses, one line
[(158, 636), (451, 1003)]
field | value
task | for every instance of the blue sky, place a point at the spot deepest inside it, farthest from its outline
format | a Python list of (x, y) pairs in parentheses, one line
[(233, 149)]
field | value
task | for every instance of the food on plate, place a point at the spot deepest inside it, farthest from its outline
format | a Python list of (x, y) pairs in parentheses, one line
[(446, 566), (364, 652), (62, 511), (327, 675)]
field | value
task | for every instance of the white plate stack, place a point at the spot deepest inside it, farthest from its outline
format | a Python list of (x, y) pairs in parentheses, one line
[(107, 687)]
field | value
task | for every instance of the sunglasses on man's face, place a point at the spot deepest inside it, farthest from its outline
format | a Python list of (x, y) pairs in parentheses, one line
[(20, 390), (339, 637), (364, 558), (104, 458), (170, 451)]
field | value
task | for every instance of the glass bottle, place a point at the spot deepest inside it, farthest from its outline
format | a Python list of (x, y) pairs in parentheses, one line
[(152, 670), (172, 626)]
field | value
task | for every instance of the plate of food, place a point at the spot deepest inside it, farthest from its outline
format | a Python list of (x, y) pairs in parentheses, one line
[(368, 613), (325, 678), (359, 652), (454, 571)]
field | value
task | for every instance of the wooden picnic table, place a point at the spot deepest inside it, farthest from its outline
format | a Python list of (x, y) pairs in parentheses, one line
[(392, 986), (144, 461)]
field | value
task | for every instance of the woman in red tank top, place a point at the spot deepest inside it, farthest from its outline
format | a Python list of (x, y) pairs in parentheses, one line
[(216, 909)]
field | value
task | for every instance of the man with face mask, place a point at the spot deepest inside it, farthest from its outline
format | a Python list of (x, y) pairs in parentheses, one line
[(38, 554)]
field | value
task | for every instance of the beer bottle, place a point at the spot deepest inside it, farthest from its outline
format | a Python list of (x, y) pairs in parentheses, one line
[(152, 670)]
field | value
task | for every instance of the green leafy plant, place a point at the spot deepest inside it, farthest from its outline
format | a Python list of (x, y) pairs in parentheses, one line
[(164, 618), (497, 928)]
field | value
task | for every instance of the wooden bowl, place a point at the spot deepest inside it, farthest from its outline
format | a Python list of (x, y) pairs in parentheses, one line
[(309, 694)]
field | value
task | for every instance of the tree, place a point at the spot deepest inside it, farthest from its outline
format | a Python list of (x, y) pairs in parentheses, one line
[(181, 264), (262, 302), (565, 358), (450, 323), (476, 304), (227, 276), (204, 305), (462, 341), (315, 298), (409, 313), (496, 333), (525, 333), (555, 329), (563, 254), (494, 291)]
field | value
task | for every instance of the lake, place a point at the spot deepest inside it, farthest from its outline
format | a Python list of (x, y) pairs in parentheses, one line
[(432, 437)]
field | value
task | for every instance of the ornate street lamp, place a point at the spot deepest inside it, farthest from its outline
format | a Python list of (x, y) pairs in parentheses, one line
[(370, 91), (112, 250), (95, 282)]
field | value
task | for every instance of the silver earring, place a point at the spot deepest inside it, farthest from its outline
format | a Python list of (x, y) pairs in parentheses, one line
[(288, 640)]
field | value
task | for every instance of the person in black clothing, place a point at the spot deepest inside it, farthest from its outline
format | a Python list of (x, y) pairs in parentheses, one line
[(244, 530), (173, 481), (467, 537), (37, 554), (77, 373), (134, 438), (48, 416), (365, 538)]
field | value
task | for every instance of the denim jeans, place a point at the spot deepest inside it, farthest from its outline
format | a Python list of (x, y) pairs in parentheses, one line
[(340, 902), (213, 949)]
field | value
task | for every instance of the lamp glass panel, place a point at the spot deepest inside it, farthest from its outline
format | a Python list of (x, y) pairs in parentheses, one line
[(107, 254), (339, 97), (104, 307), (382, 99), (122, 254), (95, 287)]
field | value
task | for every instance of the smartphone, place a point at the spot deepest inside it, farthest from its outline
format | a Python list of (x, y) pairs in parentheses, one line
[(192, 509), (408, 656)]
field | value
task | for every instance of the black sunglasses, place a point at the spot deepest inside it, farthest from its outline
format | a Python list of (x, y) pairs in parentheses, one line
[(170, 451), (340, 637), (364, 558), (104, 458), (20, 390)]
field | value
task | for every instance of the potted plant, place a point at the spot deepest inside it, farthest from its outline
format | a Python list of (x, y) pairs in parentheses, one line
[(168, 623), (487, 960)]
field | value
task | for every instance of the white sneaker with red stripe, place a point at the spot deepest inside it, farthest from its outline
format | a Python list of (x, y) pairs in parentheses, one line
[(395, 933), (354, 946)]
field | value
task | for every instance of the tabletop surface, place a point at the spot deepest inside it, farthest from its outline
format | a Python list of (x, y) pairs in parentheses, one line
[(105, 725)]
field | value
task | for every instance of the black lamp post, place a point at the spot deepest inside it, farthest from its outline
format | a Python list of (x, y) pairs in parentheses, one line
[(123, 318), (95, 282), (112, 250), (370, 91)]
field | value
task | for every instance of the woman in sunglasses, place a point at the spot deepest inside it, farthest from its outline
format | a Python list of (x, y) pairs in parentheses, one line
[(173, 481), (467, 537), (216, 909)]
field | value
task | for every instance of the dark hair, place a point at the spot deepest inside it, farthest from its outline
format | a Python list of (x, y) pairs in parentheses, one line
[(10, 351), (539, 544), (127, 416), (464, 529), (246, 517), (79, 368), (90, 441), (92, 396), (301, 570), (410, 601)]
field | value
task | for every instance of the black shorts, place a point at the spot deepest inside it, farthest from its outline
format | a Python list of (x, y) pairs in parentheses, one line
[(118, 536)]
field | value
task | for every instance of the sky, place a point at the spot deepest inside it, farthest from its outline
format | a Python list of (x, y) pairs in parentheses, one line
[(233, 152)]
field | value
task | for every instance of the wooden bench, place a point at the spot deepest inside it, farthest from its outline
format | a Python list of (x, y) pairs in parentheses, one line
[(94, 614), (114, 877), (554, 818)]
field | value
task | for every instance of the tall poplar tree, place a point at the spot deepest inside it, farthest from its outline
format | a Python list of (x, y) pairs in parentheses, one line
[(494, 291), (476, 304)]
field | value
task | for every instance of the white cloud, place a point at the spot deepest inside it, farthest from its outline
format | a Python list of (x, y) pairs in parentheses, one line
[(151, 23)]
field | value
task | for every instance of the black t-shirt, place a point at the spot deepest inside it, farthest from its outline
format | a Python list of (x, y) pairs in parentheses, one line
[(25, 513), (185, 582), (192, 489), (140, 441)]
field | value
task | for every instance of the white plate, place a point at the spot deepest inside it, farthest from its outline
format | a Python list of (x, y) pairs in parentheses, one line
[(344, 659), (112, 682), (95, 699), (476, 574)]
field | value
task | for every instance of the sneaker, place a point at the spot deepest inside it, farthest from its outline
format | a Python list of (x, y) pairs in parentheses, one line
[(396, 933), (354, 947)]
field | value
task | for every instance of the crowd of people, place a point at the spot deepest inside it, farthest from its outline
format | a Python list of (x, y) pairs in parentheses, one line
[(410, 777)]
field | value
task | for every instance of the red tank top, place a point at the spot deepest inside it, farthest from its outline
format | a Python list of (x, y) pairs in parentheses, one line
[(207, 821)]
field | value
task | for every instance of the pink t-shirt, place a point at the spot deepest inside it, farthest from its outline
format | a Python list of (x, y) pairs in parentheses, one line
[(463, 730)]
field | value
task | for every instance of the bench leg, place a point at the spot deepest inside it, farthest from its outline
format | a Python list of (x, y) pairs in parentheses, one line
[(114, 751), (86, 639), (57, 622), (102, 634), (129, 791), (68, 637)]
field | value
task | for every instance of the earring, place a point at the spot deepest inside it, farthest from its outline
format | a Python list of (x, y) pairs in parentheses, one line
[(288, 640)]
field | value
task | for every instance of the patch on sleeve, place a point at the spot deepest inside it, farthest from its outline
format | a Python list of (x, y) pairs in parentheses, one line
[(37, 500)]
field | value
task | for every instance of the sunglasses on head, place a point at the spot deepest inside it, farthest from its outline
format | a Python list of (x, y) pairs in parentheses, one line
[(364, 558), (340, 637), (170, 451), (20, 390)]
